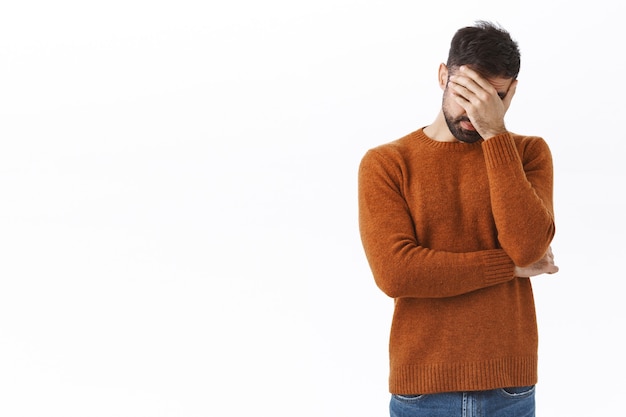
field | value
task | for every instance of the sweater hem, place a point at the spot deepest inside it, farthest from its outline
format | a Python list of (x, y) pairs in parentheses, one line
[(470, 376)]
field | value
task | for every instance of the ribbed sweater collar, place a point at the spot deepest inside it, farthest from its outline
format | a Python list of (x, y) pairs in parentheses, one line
[(458, 146)]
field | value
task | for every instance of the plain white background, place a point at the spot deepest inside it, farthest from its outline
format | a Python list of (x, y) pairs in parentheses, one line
[(178, 221)]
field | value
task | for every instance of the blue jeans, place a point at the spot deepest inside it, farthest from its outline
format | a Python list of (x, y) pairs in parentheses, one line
[(503, 402)]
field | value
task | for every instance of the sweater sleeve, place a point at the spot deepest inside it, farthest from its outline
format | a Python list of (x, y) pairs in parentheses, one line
[(401, 267), (520, 184)]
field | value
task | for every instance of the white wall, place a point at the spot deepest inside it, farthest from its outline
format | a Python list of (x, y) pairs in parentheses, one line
[(178, 230)]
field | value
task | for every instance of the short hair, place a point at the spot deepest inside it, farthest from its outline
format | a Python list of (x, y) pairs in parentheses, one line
[(487, 48)]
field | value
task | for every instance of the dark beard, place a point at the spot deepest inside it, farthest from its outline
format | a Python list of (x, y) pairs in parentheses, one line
[(463, 135)]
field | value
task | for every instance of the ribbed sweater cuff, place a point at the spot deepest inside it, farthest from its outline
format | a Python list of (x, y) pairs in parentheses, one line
[(498, 267), (499, 150)]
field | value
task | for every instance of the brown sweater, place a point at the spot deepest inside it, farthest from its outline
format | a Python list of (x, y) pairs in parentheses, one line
[(443, 224)]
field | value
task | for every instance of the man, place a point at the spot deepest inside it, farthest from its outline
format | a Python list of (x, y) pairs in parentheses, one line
[(454, 218)]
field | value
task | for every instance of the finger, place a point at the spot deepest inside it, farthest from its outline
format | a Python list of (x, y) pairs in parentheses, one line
[(476, 81), (459, 85), (466, 92), (464, 86), (461, 95)]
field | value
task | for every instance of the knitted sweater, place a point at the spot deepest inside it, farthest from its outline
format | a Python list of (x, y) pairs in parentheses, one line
[(443, 224)]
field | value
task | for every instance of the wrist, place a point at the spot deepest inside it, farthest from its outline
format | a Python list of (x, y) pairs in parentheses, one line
[(492, 133)]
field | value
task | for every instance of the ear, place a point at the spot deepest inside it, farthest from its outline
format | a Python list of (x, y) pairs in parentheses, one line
[(443, 76)]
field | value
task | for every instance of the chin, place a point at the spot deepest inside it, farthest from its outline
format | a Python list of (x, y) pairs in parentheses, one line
[(466, 136)]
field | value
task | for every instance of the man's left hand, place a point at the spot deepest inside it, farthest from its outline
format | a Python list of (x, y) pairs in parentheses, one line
[(480, 99)]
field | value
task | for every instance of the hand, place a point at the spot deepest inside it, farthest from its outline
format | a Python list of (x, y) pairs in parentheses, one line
[(480, 99), (544, 265)]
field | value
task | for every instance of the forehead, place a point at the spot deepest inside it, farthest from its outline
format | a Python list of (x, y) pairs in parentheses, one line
[(500, 84)]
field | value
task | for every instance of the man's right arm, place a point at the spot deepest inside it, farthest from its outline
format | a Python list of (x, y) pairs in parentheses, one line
[(400, 265)]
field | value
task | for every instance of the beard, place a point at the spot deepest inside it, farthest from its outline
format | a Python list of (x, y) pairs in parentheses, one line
[(463, 135)]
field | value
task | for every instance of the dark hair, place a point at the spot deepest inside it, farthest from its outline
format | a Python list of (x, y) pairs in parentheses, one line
[(486, 48)]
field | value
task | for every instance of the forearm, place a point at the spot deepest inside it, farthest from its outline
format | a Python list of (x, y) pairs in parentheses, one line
[(521, 198), (409, 270)]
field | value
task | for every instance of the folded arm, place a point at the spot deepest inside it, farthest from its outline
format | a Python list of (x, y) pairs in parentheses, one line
[(400, 265)]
